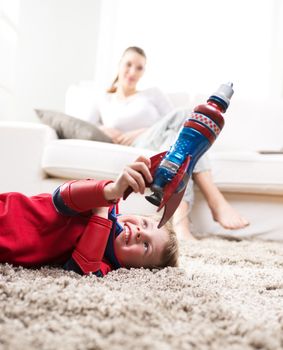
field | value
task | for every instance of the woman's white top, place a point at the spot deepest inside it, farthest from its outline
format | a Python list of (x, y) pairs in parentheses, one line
[(140, 110)]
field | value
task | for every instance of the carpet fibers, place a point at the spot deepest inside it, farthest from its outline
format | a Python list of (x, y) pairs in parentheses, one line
[(225, 295)]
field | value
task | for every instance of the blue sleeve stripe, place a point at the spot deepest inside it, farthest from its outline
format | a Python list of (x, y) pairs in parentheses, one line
[(59, 204)]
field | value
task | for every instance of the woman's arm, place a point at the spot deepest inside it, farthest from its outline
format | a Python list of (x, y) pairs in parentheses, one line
[(111, 132), (129, 137), (161, 101)]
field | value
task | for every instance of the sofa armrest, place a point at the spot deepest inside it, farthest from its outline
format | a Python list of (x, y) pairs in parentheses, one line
[(21, 148)]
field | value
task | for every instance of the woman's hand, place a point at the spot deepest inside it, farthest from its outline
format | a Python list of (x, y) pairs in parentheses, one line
[(129, 137), (111, 132), (135, 176)]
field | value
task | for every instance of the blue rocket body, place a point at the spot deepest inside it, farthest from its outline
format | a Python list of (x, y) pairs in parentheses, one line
[(190, 142)]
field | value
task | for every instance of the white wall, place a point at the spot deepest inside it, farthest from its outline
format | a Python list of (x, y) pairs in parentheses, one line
[(9, 14), (191, 46), (56, 46), (195, 45)]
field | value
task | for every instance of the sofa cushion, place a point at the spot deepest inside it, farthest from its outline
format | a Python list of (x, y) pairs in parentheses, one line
[(248, 172), (68, 127), (242, 172), (80, 159)]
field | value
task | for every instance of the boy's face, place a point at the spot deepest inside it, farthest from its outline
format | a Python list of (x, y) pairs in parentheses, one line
[(141, 243)]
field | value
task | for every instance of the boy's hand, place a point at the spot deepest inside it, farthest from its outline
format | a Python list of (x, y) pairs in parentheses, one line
[(135, 175)]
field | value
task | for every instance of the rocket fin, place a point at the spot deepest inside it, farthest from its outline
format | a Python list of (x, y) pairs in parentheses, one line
[(170, 207)]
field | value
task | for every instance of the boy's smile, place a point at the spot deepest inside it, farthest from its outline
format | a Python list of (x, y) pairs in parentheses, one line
[(127, 234), (141, 243)]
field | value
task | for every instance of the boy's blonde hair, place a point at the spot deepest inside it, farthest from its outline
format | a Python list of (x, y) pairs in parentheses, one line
[(170, 254)]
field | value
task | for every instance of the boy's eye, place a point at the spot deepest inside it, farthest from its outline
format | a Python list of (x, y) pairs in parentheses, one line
[(144, 224), (145, 246)]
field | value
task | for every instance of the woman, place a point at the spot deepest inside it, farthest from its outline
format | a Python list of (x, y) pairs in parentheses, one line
[(136, 118)]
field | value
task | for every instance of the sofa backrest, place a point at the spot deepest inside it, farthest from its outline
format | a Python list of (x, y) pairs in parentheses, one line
[(250, 124)]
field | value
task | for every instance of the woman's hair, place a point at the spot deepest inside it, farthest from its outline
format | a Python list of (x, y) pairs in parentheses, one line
[(113, 88)]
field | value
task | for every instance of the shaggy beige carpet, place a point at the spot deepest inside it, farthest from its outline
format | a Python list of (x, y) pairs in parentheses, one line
[(226, 295)]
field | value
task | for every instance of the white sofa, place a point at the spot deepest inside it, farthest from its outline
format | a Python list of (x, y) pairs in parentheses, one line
[(34, 160)]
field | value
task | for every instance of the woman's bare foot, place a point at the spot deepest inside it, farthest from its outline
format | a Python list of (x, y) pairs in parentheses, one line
[(221, 210), (181, 222), (227, 216)]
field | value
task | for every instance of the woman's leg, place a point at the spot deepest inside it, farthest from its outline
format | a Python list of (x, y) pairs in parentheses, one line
[(161, 135), (181, 218), (221, 210), (181, 221)]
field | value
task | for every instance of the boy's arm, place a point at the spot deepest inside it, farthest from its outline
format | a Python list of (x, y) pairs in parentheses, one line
[(78, 196), (89, 251), (83, 195)]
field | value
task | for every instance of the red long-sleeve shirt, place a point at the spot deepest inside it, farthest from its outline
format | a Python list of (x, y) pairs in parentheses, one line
[(33, 233)]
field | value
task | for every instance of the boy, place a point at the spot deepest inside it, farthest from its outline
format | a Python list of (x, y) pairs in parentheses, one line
[(78, 227)]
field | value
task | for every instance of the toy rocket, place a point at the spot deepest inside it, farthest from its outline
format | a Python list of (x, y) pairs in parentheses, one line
[(172, 170)]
